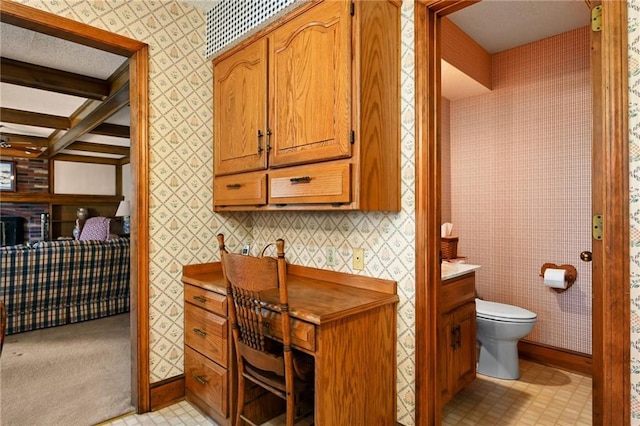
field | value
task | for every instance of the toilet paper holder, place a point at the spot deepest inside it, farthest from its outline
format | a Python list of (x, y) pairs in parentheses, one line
[(570, 275)]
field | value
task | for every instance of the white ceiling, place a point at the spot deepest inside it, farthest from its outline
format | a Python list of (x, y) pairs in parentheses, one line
[(41, 49), (499, 25)]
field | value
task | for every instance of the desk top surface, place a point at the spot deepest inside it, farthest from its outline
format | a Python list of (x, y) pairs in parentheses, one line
[(315, 295)]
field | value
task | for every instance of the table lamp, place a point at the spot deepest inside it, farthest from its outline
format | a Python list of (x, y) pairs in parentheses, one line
[(124, 211)]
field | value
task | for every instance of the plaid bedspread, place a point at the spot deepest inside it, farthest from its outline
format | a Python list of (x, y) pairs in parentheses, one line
[(63, 282)]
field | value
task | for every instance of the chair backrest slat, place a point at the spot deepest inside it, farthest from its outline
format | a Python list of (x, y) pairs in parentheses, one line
[(247, 277)]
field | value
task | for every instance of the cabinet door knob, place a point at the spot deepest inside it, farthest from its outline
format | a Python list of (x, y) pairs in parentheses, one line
[(585, 256)]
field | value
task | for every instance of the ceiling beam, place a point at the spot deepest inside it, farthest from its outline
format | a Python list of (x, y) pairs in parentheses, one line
[(115, 130), (37, 141), (95, 114), (99, 147), (85, 159), (39, 77), (28, 118)]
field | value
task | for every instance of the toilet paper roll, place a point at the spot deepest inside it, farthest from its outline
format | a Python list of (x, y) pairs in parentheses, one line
[(555, 278)]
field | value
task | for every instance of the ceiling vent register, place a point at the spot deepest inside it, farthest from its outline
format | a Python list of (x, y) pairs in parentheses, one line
[(231, 21)]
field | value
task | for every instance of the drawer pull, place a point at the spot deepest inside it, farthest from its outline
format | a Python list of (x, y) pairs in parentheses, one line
[(200, 299), (234, 186), (200, 379), (297, 180), (199, 332)]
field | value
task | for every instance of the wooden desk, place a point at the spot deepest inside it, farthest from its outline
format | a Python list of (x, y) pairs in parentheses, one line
[(348, 323)]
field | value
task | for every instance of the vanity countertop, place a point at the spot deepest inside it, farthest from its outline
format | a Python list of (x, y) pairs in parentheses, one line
[(451, 270)]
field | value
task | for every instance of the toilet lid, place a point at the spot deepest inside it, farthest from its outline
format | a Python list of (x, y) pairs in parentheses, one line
[(502, 311)]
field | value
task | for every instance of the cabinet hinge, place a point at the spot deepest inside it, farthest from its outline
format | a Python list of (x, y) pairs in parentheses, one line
[(353, 9), (352, 137), (596, 18)]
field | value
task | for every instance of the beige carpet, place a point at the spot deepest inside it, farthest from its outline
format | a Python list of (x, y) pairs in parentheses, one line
[(71, 375)]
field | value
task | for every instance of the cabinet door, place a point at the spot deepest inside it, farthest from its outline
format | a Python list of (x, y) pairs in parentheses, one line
[(465, 354), (446, 348), (310, 86), (240, 110)]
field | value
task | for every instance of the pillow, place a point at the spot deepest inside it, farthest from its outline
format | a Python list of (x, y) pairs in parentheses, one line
[(96, 228)]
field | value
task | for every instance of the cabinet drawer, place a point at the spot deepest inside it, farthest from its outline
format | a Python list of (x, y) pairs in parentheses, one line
[(206, 379), (457, 291), (303, 334), (205, 299), (240, 190), (320, 183), (206, 333)]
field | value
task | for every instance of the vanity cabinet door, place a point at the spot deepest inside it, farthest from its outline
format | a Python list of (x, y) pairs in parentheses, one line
[(240, 110), (310, 86), (464, 355)]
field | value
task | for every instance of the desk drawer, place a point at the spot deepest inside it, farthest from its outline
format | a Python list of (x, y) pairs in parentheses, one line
[(206, 333), (206, 379), (323, 183), (303, 334), (457, 291), (206, 299)]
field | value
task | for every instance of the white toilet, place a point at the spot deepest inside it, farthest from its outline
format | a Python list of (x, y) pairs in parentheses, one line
[(499, 327)]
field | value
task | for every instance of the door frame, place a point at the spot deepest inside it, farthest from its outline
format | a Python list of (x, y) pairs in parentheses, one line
[(138, 53), (610, 176)]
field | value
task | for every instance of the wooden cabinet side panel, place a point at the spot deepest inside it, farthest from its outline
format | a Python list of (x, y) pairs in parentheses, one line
[(310, 77), (356, 368), (240, 110), (378, 131)]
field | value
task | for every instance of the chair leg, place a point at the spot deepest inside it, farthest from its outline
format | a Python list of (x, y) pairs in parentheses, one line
[(291, 409), (240, 407)]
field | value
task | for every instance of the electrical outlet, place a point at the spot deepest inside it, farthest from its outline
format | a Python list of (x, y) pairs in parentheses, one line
[(246, 249), (358, 259), (331, 256)]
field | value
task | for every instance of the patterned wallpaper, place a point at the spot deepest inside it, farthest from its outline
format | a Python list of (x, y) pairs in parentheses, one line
[(634, 201), (183, 225)]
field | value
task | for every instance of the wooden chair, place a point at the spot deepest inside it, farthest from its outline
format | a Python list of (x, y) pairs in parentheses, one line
[(261, 360)]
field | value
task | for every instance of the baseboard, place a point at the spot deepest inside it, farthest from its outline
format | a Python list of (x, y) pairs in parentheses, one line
[(167, 392), (556, 357)]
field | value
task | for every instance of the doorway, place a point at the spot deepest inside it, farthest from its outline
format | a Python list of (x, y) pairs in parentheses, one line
[(26, 17), (610, 198)]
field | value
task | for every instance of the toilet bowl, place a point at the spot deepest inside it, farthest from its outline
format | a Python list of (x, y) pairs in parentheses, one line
[(499, 327)]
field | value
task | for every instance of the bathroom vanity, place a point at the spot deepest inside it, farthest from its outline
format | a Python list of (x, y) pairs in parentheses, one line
[(456, 328)]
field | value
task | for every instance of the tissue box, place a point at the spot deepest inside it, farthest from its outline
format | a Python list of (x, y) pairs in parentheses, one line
[(449, 247)]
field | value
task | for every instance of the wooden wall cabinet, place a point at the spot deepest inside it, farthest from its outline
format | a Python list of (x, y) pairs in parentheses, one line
[(316, 94), (456, 335)]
